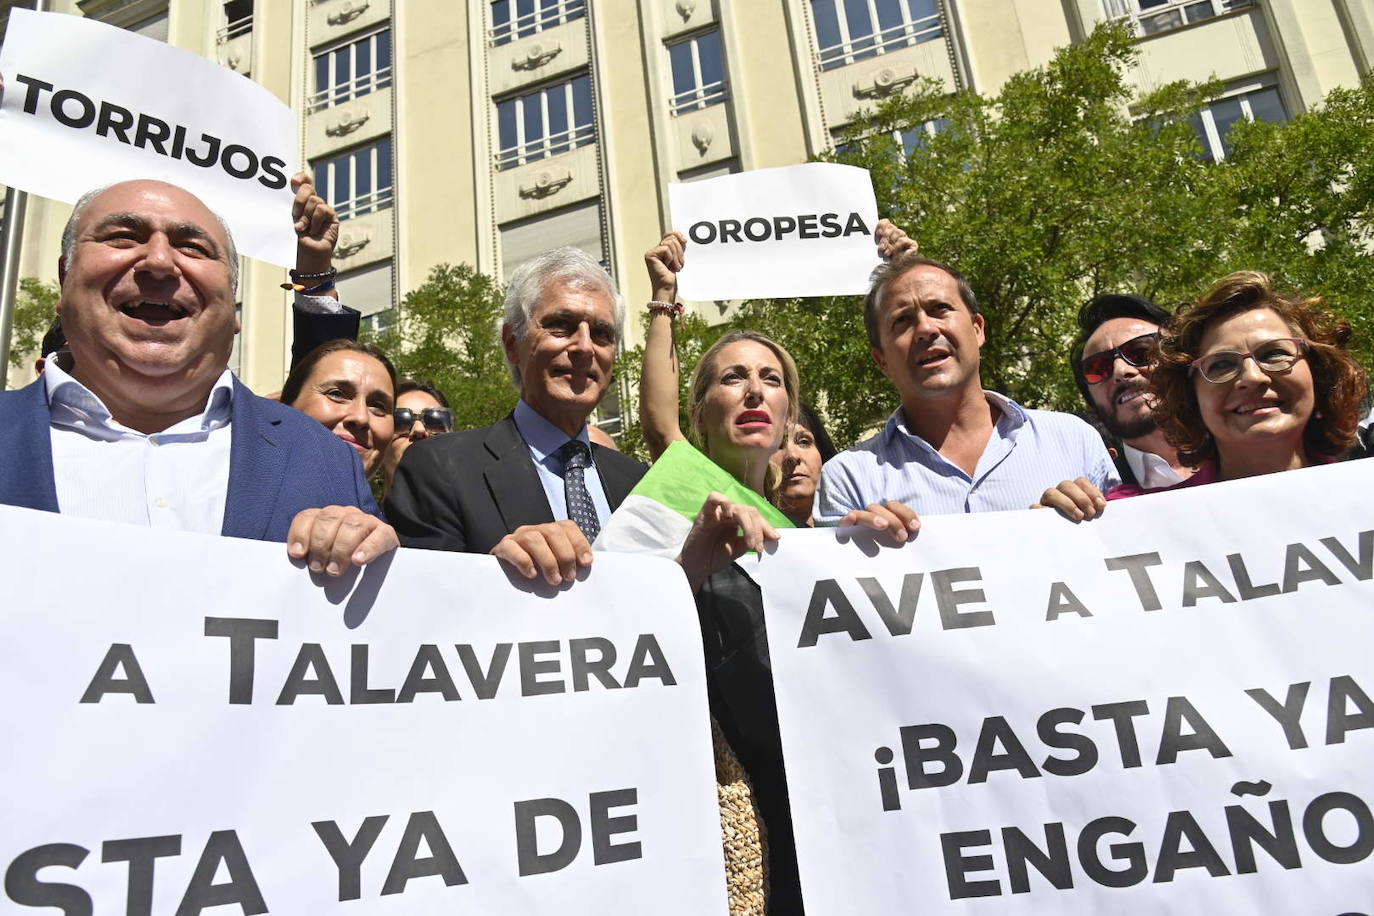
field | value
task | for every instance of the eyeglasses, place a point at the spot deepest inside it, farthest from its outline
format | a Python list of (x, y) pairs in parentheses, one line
[(1138, 351), (436, 419), (1273, 357)]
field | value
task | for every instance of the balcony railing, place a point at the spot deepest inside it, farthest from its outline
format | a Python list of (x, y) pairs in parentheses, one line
[(1169, 16), (234, 29), (544, 147), (347, 92), (364, 204), (536, 21), (702, 97), (883, 42)]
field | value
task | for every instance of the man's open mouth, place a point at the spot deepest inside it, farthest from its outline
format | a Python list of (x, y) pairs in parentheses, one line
[(153, 311)]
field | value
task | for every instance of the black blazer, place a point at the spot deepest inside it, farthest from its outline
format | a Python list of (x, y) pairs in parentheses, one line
[(467, 490)]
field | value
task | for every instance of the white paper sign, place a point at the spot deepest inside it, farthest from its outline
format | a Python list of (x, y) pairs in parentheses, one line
[(87, 104), (190, 722), (1166, 710), (801, 230)]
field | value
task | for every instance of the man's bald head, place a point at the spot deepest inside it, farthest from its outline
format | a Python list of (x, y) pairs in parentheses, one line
[(83, 204)]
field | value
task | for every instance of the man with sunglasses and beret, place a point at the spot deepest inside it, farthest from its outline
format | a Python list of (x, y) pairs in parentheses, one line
[(1111, 364)]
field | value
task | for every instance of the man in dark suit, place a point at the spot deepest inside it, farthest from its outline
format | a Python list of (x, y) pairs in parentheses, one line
[(530, 488), (140, 420)]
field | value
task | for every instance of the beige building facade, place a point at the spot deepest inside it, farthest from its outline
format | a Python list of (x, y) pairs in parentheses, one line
[(484, 132)]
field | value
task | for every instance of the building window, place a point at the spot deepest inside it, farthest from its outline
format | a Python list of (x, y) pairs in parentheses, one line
[(368, 289), (357, 182), (1213, 124), (511, 19), (853, 30), (698, 72), (578, 226), (1154, 16), (910, 139), (238, 20), (351, 70), (545, 122)]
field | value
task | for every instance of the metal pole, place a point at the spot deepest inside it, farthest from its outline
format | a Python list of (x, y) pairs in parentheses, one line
[(11, 235)]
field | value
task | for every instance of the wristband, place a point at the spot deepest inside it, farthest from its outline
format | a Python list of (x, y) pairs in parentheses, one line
[(322, 276), (671, 309)]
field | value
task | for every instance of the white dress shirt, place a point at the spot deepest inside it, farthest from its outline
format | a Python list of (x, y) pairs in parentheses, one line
[(176, 479), (1150, 470)]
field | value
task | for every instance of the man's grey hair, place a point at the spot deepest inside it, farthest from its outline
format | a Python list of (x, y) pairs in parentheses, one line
[(567, 266), (69, 234)]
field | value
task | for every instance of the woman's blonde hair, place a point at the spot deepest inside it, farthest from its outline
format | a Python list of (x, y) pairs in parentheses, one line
[(704, 376)]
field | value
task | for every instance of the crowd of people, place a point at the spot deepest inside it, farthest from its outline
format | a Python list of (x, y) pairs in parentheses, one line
[(136, 419)]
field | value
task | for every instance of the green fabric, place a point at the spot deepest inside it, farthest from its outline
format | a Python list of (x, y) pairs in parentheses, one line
[(683, 477)]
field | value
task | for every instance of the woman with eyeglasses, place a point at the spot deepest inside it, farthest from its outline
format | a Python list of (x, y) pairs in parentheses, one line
[(421, 411), (1248, 381), (350, 387)]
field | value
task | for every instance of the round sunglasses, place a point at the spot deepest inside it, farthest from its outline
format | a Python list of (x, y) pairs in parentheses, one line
[(1138, 351)]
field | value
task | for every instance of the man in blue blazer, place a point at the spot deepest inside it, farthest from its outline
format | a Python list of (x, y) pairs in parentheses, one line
[(144, 424)]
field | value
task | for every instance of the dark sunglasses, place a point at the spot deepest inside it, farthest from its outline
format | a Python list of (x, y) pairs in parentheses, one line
[(436, 419), (1138, 351)]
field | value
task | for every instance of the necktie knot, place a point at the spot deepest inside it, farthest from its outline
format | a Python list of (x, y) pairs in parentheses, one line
[(575, 454)]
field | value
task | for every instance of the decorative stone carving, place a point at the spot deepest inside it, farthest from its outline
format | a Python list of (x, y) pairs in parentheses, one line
[(885, 82), (702, 136), (352, 241), (537, 56), (546, 183), (348, 12), (346, 122), (234, 61), (685, 8)]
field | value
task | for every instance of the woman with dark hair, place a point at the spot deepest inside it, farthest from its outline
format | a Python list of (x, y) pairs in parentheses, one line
[(806, 448), (1249, 381), (350, 387), (421, 411)]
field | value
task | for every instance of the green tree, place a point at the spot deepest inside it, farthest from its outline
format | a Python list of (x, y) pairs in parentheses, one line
[(34, 309), (445, 332), (1066, 184)]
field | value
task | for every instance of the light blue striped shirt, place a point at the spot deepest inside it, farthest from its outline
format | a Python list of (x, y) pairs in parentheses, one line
[(1029, 452)]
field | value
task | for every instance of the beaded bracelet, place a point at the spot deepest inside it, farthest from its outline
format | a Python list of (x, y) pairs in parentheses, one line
[(324, 275), (671, 309)]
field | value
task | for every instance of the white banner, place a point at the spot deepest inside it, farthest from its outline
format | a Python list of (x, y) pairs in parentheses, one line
[(1166, 710), (87, 104), (800, 230), (191, 723)]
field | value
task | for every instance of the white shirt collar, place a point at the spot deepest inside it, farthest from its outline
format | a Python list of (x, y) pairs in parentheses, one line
[(539, 434), (71, 405), (1149, 469)]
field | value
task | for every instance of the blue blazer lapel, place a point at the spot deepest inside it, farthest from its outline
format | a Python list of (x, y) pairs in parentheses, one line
[(257, 469), (26, 475)]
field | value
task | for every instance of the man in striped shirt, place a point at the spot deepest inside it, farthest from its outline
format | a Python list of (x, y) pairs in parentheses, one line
[(952, 446)]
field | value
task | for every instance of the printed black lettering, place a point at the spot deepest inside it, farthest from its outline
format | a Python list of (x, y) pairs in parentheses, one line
[(241, 631), (1121, 715), (152, 133), (987, 758), (222, 850), (604, 827), (428, 674), (35, 91), (729, 231), (1136, 565), (1287, 713), (580, 665), (116, 119), (948, 599), (757, 230), (916, 754), (830, 226), (806, 226), (648, 661), (211, 155), (248, 169), (484, 684), (358, 691), (311, 658), (23, 887), (1052, 862), (85, 105), (531, 667), (441, 861), (855, 226), (1133, 854), (898, 620), (142, 854), (958, 865), (827, 593), (348, 855), (1047, 728), (1301, 565), (1340, 721), (1198, 582), (782, 225), (1201, 736), (275, 177), (119, 657), (703, 233)]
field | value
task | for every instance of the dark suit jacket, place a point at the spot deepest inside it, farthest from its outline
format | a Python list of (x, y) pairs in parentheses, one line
[(310, 329), (467, 490), (280, 462)]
